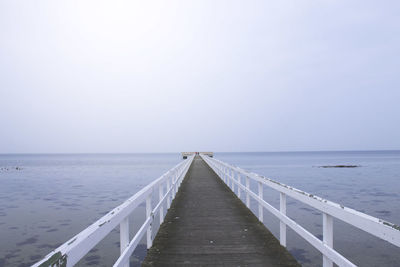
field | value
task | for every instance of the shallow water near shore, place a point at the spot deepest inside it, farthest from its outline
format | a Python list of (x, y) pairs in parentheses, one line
[(50, 198)]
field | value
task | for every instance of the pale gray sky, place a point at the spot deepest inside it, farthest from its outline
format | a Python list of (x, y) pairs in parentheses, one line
[(166, 76)]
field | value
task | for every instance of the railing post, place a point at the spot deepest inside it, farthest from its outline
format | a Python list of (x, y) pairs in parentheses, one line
[(229, 179), (160, 196), (172, 186), (247, 192), (232, 182), (148, 214), (260, 207), (124, 236), (240, 182), (176, 183), (227, 176), (327, 224), (282, 232), (169, 193), (181, 174), (224, 174)]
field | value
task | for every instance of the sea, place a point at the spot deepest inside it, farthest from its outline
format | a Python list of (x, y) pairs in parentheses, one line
[(45, 199)]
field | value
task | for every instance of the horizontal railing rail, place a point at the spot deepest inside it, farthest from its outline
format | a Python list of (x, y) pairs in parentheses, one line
[(232, 176), (69, 253)]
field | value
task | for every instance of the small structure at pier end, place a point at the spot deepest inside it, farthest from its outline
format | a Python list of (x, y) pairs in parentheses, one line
[(185, 155)]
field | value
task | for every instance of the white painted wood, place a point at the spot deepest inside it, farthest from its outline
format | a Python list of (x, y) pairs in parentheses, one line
[(327, 226), (282, 225), (260, 207), (247, 191), (160, 197), (169, 189), (124, 236), (133, 244), (148, 215), (229, 179), (224, 170), (175, 184), (240, 182), (232, 183)]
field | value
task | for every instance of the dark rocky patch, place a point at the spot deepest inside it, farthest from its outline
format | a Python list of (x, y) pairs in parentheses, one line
[(339, 166), (69, 205), (383, 194), (31, 240), (49, 199), (10, 256), (384, 212), (65, 220), (50, 246), (35, 257), (26, 264)]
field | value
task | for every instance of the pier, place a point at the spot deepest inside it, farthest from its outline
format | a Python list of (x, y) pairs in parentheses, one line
[(203, 208), (208, 225)]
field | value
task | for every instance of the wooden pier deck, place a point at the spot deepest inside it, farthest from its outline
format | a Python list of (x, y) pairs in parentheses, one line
[(208, 225)]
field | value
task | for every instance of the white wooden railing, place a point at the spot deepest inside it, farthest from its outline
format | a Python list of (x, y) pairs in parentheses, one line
[(69, 253), (233, 177)]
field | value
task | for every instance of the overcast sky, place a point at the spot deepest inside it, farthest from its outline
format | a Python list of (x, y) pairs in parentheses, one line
[(170, 76)]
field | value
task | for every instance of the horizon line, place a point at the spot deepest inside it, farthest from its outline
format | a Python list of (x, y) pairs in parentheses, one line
[(274, 151)]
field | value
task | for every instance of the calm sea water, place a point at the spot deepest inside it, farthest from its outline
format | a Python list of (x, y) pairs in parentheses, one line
[(53, 197)]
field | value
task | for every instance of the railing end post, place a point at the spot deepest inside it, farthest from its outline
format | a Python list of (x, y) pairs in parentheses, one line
[(282, 230)]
